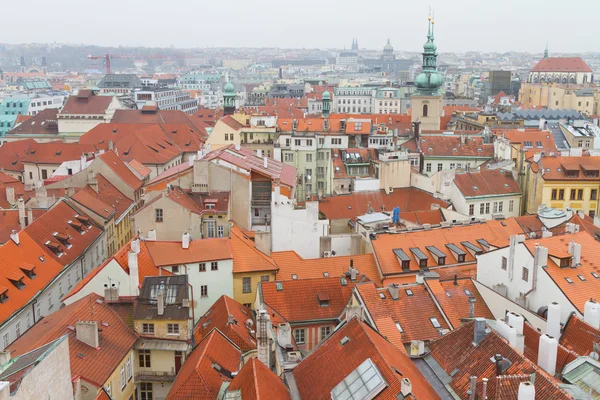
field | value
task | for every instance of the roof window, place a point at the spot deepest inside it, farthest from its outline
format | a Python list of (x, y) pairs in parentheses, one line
[(581, 277), (382, 295), (279, 286), (365, 382), (399, 327), (569, 280), (409, 292), (435, 322)]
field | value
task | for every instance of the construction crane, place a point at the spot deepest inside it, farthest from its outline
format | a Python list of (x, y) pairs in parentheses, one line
[(107, 57)]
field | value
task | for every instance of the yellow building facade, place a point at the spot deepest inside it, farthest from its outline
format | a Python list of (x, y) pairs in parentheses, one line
[(245, 283), (558, 96)]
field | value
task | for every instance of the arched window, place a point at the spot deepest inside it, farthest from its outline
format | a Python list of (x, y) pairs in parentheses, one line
[(425, 110), (585, 79)]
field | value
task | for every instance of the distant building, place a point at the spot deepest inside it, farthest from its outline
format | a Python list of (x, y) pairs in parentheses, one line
[(166, 99), (119, 83), (499, 81), (387, 63), (560, 70), (283, 90), (387, 101), (354, 100)]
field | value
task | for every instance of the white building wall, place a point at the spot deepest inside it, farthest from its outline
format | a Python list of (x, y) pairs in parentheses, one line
[(112, 273), (365, 184)]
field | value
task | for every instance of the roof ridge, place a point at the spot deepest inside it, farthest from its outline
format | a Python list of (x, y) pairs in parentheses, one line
[(256, 385)]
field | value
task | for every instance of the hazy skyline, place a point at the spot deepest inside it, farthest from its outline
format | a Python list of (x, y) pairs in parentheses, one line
[(461, 25)]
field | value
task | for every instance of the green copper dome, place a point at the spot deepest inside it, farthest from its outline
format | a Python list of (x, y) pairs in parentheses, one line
[(430, 81), (229, 88), (326, 95)]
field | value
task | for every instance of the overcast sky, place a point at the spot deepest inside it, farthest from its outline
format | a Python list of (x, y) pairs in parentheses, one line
[(461, 25)]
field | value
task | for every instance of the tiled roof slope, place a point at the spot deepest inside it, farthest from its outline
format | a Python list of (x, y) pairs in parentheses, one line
[(486, 182), (331, 362), (118, 166), (554, 168), (246, 257), (291, 263), (298, 300), (198, 378), (412, 310), (561, 64), (158, 117), (106, 202), (357, 203), (453, 298), (56, 152), (457, 355), (166, 253), (452, 146), (86, 103), (94, 365), (532, 345), (257, 382), (217, 316), (43, 123), (579, 336)]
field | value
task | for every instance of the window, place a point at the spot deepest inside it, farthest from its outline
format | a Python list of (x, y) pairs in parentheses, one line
[(554, 194), (452, 165), (435, 322), (210, 229), (399, 327), (49, 299), (561, 194), (500, 206), (246, 284), (337, 141), (504, 263), (123, 381), (220, 231), (495, 205), (202, 267), (428, 167), (439, 166), (425, 110), (214, 266), (128, 369), (298, 142), (482, 208), (573, 193), (525, 275), (158, 213), (487, 208), (471, 209), (6, 339), (580, 194), (173, 329), (175, 269), (18, 327), (594, 194), (144, 358), (325, 331), (264, 278), (511, 205), (299, 336), (148, 329), (289, 157), (592, 213), (204, 291), (308, 157), (44, 174)]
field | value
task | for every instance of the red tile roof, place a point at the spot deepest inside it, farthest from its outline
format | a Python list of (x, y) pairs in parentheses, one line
[(357, 204), (331, 362), (338, 155), (171, 253), (232, 122), (452, 146), (412, 310), (432, 217), (297, 300), (177, 170), (541, 141), (86, 103), (531, 338), (554, 168), (43, 123), (457, 355), (196, 203), (246, 257), (9, 221), (257, 382), (159, 117), (561, 64), (486, 182), (95, 365), (56, 152), (248, 159), (217, 316), (118, 166), (138, 167), (579, 336), (198, 378), (291, 263), (107, 202)]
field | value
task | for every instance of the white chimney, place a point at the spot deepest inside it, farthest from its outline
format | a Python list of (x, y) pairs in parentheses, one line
[(591, 313), (517, 321), (185, 241), (160, 299), (526, 391), (541, 256), (548, 349), (10, 195), (29, 217), (135, 246), (258, 153), (87, 332), (553, 320), (394, 290), (111, 293), (507, 332), (405, 387), (83, 161), (4, 358), (14, 235), (151, 235), (134, 274), (284, 334), (111, 145), (263, 327), (265, 163), (21, 206), (575, 251)]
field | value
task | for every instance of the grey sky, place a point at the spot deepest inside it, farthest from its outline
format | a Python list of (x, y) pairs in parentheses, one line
[(461, 25)]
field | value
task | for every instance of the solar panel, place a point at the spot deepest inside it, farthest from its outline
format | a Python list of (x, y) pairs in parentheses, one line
[(435, 251), (456, 249), (418, 253), (365, 382), (401, 255)]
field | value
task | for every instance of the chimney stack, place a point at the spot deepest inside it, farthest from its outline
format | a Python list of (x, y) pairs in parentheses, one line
[(547, 352), (479, 332), (484, 392), (83, 161), (405, 387), (160, 299), (134, 275), (4, 357), (111, 293), (10, 195), (472, 392), (472, 301), (526, 391), (575, 251), (151, 235), (265, 162), (21, 205), (87, 332), (14, 235), (135, 246), (553, 320), (185, 241), (29, 217), (591, 313), (394, 290), (498, 361)]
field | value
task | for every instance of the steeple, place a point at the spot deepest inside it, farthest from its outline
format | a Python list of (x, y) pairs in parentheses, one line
[(229, 98), (429, 81), (546, 52)]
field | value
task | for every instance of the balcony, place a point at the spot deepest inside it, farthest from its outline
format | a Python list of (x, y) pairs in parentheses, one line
[(155, 376)]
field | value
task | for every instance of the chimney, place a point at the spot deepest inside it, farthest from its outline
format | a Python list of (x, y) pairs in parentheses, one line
[(517, 321), (479, 332), (541, 256), (405, 387), (394, 290), (230, 319), (575, 251), (14, 235), (553, 320), (506, 331), (160, 299), (352, 271), (472, 392), (21, 206), (185, 241), (87, 332), (151, 235), (263, 327), (498, 361), (111, 146), (284, 334), (83, 161), (4, 357), (29, 217), (547, 352), (265, 162), (10, 195), (135, 246), (472, 301), (484, 391), (591, 313), (134, 275), (111, 293), (526, 391)]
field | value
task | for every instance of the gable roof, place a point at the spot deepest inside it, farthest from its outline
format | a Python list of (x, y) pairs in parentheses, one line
[(12, 154), (255, 382), (579, 336), (198, 378), (138, 167), (114, 162), (453, 146), (108, 201), (43, 123), (246, 257), (332, 361), (165, 253), (56, 152), (217, 316), (94, 365), (561, 64), (486, 182), (86, 103)]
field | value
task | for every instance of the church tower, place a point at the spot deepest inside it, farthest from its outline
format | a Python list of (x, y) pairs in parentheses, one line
[(326, 104), (229, 99), (427, 102)]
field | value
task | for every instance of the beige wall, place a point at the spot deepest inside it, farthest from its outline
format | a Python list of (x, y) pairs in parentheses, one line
[(161, 330), (435, 108), (394, 174), (217, 136), (118, 393), (556, 97), (33, 172)]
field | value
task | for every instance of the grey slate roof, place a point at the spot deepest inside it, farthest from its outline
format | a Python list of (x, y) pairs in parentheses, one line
[(122, 81), (539, 114)]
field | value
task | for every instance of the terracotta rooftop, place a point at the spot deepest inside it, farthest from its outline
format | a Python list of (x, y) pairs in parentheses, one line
[(138, 167), (95, 365), (579, 336), (298, 300), (453, 146), (342, 353), (486, 182), (9, 221), (107, 202), (291, 263), (561, 64), (43, 123), (414, 310), (238, 330), (86, 103), (432, 217), (531, 339), (166, 253), (158, 116), (56, 152), (256, 381), (357, 204), (584, 168), (246, 257), (531, 140), (344, 158), (206, 368), (171, 173), (118, 166)]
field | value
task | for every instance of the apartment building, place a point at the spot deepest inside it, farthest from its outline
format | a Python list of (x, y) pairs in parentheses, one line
[(354, 100), (165, 99)]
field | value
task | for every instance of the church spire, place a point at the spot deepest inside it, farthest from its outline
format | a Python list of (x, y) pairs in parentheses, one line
[(546, 52)]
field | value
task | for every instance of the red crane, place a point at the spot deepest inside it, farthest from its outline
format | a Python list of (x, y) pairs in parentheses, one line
[(107, 58)]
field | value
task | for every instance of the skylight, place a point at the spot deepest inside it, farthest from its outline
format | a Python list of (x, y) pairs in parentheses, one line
[(382, 295), (399, 327), (468, 292), (595, 275), (279, 286), (569, 280), (435, 322), (581, 277), (409, 292), (365, 382)]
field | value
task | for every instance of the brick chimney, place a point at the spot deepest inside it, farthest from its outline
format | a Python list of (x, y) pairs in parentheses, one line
[(87, 332)]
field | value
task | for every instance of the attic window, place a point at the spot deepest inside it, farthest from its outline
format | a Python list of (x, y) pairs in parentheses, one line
[(595, 275), (344, 282), (409, 292), (435, 322), (3, 295), (382, 295), (28, 270), (475, 188), (279, 286), (569, 280), (448, 293), (468, 292), (55, 247), (18, 282), (294, 276), (365, 382), (323, 299), (64, 239), (399, 327), (325, 274), (581, 277)]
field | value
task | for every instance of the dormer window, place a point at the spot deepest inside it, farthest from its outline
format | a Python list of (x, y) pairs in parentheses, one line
[(3, 295), (62, 238), (55, 247), (76, 225), (323, 299), (209, 206), (84, 220), (28, 270), (16, 279)]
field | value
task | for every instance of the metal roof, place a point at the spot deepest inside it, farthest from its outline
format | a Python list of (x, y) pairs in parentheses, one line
[(401, 254), (455, 249), (435, 251)]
